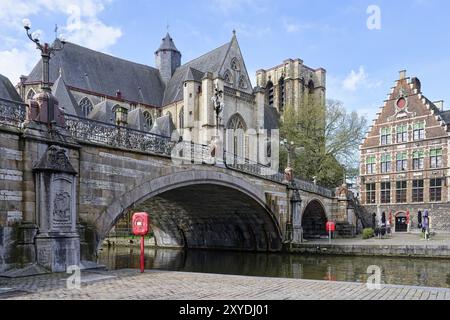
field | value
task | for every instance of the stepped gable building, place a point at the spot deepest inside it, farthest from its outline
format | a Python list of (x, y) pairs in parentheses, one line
[(404, 158), (90, 84)]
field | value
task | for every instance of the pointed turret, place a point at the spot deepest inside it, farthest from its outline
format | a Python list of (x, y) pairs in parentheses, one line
[(168, 58)]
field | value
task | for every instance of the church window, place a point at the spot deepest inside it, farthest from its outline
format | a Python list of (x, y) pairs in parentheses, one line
[(242, 83), (311, 86), (281, 94), (31, 94), (86, 107), (181, 118), (269, 89), (227, 77), (235, 64), (148, 119), (237, 124)]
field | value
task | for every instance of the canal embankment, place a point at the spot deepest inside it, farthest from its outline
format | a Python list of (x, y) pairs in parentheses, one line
[(396, 245)]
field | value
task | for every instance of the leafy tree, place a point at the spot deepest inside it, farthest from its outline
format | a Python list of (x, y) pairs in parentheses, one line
[(329, 137)]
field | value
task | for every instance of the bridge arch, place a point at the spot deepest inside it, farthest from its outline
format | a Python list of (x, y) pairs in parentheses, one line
[(200, 209), (314, 219)]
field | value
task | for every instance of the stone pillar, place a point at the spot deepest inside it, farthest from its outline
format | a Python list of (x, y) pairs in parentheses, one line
[(296, 213), (57, 243)]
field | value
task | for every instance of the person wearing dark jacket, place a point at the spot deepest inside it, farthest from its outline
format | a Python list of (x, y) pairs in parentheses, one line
[(419, 219)]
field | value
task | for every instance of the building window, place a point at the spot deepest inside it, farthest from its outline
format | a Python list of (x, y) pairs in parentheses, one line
[(227, 77), (385, 192), (370, 164), (435, 158), (237, 124), (281, 94), (235, 64), (85, 106), (419, 131), (371, 191), (386, 137), (242, 82), (417, 191), (402, 134), (401, 190), (386, 161), (181, 118), (311, 86), (31, 94), (402, 162), (418, 160), (148, 119), (436, 189), (269, 89)]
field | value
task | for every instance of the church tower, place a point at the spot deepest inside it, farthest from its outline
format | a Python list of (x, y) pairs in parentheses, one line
[(168, 58)]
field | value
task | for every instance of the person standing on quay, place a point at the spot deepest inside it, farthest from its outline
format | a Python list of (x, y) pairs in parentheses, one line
[(419, 219)]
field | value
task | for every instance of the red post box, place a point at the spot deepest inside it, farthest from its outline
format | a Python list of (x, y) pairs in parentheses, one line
[(140, 224), (331, 226), (140, 228)]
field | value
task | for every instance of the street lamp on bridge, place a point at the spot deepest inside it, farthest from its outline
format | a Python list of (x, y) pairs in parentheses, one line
[(44, 107)]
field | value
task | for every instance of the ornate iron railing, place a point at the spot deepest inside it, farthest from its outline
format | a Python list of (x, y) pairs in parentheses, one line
[(117, 136), (12, 113), (87, 130)]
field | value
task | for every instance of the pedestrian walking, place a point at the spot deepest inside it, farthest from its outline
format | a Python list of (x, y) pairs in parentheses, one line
[(374, 219), (419, 219), (426, 225)]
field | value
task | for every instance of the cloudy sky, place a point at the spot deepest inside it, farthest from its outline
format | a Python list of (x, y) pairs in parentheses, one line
[(361, 53)]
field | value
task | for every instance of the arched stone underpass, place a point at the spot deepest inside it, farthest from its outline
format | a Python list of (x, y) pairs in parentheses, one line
[(314, 220), (211, 216)]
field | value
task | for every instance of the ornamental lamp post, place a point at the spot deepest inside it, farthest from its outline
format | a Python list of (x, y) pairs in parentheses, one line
[(45, 107), (218, 106)]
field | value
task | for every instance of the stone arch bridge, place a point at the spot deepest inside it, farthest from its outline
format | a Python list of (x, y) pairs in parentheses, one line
[(62, 189)]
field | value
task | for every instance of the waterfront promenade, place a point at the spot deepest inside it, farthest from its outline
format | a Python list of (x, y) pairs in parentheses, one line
[(163, 285)]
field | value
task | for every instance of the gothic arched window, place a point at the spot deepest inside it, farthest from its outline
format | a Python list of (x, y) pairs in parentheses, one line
[(269, 90), (311, 86), (242, 82), (228, 77), (281, 94), (148, 119), (181, 118), (235, 64), (237, 124), (85, 106), (31, 94)]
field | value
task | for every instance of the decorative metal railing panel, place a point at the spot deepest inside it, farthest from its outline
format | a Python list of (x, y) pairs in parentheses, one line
[(12, 113), (87, 130), (116, 136)]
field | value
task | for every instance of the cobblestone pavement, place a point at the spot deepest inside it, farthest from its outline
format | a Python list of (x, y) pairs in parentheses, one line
[(165, 285)]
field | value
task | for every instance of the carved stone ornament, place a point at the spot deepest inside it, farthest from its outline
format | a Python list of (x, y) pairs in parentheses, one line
[(55, 159), (401, 106)]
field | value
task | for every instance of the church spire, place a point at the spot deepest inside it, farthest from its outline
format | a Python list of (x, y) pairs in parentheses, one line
[(168, 58)]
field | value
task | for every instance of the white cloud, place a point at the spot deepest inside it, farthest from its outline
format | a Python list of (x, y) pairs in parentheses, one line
[(83, 26), (294, 27), (359, 79)]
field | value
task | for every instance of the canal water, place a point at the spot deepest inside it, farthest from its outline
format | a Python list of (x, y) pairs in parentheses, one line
[(401, 271)]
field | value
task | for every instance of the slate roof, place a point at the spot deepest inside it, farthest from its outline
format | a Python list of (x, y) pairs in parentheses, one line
[(163, 126), (136, 120), (167, 44), (210, 62), (445, 115), (65, 98), (7, 90), (97, 72), (103, 112)]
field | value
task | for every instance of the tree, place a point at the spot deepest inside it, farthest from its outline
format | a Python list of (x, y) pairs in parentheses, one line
[(330, 137)]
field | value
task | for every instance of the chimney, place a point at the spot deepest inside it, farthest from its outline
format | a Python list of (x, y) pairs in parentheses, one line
[(402, 74)]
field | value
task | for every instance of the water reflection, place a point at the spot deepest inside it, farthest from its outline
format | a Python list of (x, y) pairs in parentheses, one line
[(419, 272)]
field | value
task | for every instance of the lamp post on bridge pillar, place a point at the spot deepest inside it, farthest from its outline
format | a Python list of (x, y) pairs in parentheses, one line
[(294, 229), (217, 150)]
